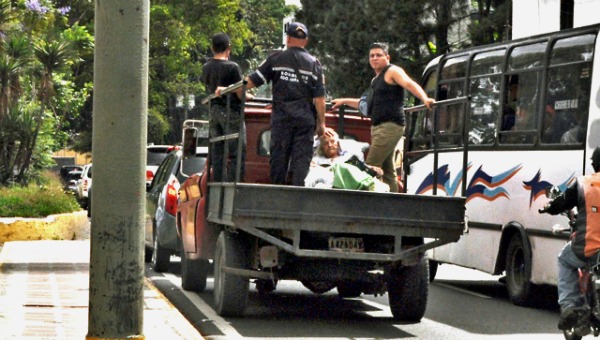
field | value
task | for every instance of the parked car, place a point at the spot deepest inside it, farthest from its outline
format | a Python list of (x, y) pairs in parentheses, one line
[(155, 154), (65, 170), (70, 181), (84, 184), (161, 239)]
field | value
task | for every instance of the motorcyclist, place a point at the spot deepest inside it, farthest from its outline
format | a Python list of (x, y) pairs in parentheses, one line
[(585, 242)]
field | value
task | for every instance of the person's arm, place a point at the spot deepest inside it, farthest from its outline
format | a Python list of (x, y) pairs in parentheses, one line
[(352, 102), (238, 92), (400, 77), (320, 106), (564, 202)]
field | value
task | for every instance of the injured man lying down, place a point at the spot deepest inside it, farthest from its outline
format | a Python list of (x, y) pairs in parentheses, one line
[(339, 163)]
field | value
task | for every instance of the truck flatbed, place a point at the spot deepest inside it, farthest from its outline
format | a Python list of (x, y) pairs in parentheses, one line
[(255, 208)]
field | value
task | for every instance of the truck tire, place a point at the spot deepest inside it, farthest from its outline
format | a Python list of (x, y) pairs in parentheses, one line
[(349, 289), (193, 273), (518, 271), (433, 267), (266, 286), (231, 291), (318, 287), (408, 287), (161, 257)]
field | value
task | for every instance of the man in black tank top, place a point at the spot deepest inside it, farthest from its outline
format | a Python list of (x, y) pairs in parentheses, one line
[(386, 110), (221, 72)]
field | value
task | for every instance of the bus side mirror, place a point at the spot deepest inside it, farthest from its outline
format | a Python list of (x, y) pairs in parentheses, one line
[(189, 142)]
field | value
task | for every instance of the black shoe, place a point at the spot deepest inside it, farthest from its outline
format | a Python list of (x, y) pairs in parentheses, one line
[(568, 318)]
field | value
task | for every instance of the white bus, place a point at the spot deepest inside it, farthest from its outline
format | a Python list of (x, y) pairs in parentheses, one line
[(531, 120)]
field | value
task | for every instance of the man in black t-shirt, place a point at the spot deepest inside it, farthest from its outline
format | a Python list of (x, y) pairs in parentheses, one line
[(221, 72), (298, 106)]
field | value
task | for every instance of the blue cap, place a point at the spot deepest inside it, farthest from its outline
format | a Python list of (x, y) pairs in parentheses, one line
[(297, 30)]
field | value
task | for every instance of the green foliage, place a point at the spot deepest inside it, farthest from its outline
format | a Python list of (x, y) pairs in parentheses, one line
[(158, 127), (39, 199)]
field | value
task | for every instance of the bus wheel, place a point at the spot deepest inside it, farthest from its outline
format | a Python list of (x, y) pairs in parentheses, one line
[(518, 271), (407, 290), (231, 291)]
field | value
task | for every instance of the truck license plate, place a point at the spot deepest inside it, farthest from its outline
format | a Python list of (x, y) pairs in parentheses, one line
[(351, 244)]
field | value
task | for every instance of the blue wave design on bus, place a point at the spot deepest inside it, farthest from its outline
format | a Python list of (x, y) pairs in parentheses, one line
[(482, 185), (538, 187), (478, 187)]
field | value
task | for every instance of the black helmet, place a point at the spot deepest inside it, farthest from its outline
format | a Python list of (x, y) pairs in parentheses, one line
[(596, 159)]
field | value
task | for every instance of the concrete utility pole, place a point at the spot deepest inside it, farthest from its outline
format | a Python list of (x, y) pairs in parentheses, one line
[(119, 158)]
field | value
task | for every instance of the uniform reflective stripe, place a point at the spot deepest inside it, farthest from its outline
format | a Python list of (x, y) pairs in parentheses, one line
[(308, 73), (591, 196), (283, 69), (261, 76)]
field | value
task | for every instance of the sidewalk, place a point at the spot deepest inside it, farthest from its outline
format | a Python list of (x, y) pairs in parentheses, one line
[(44, 294)]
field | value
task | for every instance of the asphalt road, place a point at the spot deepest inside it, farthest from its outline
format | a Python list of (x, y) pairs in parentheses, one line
[(463, 304)]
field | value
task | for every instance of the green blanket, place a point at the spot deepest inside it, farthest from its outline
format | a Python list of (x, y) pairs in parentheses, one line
[(347, 176)]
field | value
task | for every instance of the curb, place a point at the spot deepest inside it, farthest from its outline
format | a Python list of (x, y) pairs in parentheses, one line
[(72, 226)]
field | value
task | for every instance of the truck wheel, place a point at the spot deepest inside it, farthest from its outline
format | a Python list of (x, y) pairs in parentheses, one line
[(518, 271), (161, 257), (407, 290), (433, 267), (231, 291), (349, 289), (318, 287), (193, 273)]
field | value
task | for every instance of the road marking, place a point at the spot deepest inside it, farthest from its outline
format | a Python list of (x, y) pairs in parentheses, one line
[(225, 327), (463, 290)]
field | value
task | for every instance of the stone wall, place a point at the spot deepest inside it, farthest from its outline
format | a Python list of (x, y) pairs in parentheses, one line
[(73, 226)]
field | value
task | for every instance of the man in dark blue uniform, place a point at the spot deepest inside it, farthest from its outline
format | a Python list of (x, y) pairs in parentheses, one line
[(298, 106)]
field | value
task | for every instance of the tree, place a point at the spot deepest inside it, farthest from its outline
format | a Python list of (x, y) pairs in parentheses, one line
[(492, 22), (341, 33), (35, 64)]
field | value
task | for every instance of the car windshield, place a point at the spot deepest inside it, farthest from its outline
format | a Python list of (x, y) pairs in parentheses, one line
[(155, 155), (192, 166)]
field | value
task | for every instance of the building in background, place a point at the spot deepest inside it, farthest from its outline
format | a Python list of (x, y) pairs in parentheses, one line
[(543, 16)]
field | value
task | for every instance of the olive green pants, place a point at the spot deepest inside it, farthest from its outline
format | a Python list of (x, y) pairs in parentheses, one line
[(384, 139)]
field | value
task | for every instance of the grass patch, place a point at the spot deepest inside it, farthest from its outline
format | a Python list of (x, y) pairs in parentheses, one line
[(37, 200)]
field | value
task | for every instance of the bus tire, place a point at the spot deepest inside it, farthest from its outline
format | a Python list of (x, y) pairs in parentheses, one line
[(518, 271), (231, 291), (193, 273), (408, 287)]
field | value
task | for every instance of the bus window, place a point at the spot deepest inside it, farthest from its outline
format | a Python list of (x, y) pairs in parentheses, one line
[(519, 112), (579, 48), (485, 95), (569, 82), (527, 56), (484, 88), (455, 68), (487, 62)]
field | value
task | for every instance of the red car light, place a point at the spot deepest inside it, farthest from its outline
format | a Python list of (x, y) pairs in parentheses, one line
[(149, 175), (171, 199)]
